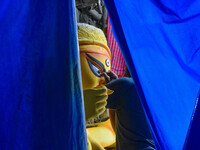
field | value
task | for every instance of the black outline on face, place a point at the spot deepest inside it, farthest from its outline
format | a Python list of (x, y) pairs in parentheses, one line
[(96, 64)]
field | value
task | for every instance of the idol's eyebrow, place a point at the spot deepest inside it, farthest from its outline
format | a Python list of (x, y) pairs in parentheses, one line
[(97, 61)]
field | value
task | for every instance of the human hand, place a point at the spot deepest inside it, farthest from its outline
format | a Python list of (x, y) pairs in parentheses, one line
[(95, 101), (109, 76)]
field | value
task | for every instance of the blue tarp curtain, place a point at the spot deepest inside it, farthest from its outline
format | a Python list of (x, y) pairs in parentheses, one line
[(40, 92), (160, 42), (41, 104)]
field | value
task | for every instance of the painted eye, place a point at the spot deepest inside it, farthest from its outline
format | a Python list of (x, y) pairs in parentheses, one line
[(95, 69), (107, 62)]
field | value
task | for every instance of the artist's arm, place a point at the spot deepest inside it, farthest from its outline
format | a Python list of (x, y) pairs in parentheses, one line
[(110, 76)]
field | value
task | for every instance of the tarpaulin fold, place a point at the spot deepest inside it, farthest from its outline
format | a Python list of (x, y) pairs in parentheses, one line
[(193, 135), (41, 105), (160, 42)]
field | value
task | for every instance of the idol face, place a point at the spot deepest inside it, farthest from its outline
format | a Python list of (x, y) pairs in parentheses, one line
[(94, 61)]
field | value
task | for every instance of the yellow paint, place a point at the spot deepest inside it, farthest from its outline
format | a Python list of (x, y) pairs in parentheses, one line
[(89, 80), (103, 133), (92, 41)]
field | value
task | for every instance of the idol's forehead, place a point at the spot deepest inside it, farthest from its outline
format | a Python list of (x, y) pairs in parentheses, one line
[(96, 54), (95, 50)]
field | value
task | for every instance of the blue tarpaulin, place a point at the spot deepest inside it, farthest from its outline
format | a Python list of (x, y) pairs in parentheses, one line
[(161, 45), (40, 92), (41, 104)]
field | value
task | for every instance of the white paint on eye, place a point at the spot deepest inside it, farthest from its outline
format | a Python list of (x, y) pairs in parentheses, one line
[(96, 69), (107, 62)]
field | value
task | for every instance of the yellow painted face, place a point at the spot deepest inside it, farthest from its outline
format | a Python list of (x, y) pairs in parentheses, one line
[(94, 61)]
